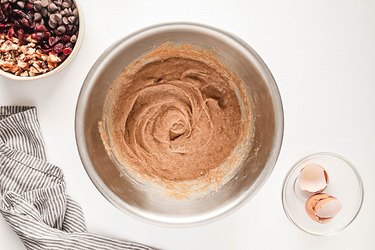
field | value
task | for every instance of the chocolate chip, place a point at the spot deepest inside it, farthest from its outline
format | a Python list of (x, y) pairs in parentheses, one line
[(44, 12), (74, 29), (69, 28), (72, 19), (44, 3), (21, 4), (52, 7), (52, 18), (37, 16), (37, 5), (52, 24), (55, 18), (65, 5), (73, 39), (59, 18), (75, 12), (64, 12), (61, 30)]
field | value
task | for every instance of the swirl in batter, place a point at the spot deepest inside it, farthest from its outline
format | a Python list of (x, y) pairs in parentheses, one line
[(173, 114)]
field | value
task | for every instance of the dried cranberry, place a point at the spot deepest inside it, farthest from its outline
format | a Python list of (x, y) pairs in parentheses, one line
[(46, 51), (20, 35), (11, 32), (53, 40), (25, 22), (37, 36), (63, 57), (6, 10), (16, 25), (69, 45), (5, 7), (58, 48), (3, 18), (22, 14), (44, 44), (67, 51), (65, 39), (40, 27), (29, 6), (47, 34)]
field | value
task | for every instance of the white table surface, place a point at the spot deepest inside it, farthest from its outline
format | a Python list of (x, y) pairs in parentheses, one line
[(322, 54)]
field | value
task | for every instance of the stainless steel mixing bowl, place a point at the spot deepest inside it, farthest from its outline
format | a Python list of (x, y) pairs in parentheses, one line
[(266, 110)]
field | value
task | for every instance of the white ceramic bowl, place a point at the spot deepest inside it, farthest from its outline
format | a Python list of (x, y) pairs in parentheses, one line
[(81, 32)]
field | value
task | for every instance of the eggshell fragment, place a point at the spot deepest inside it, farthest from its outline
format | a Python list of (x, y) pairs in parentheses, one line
[(313, 178), (322, 207), (328, 209), (311, 203)]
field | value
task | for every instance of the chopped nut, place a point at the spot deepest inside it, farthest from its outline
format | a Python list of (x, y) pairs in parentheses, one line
[(25, 60), (15, 40), (51, 65), (30, 51), (7, 64), (8, 46), (21, 64), (53, 58), (14, 69), (30, 40), (27, 50), (33, 71)]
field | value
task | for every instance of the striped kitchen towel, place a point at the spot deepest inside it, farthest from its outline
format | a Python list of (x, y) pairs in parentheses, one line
[(33, 198)]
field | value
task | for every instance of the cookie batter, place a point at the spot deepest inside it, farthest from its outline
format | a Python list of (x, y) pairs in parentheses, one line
[(173, 114)]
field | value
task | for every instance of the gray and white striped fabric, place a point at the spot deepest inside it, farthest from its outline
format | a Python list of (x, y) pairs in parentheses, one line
[(32, 191)]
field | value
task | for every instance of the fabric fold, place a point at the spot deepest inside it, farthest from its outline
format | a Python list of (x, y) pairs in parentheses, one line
[(33, 197)]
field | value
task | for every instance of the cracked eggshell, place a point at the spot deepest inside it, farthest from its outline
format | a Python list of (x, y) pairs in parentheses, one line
[(313, 178), (322, 207), (328, 208)]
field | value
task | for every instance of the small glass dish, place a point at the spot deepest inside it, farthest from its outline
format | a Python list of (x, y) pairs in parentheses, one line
[(344, 183)]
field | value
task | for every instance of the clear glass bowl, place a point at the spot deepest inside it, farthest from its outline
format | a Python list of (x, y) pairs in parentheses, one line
[(344, 183)]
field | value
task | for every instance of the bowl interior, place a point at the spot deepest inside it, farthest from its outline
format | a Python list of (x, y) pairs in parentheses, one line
[(261, 157)]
